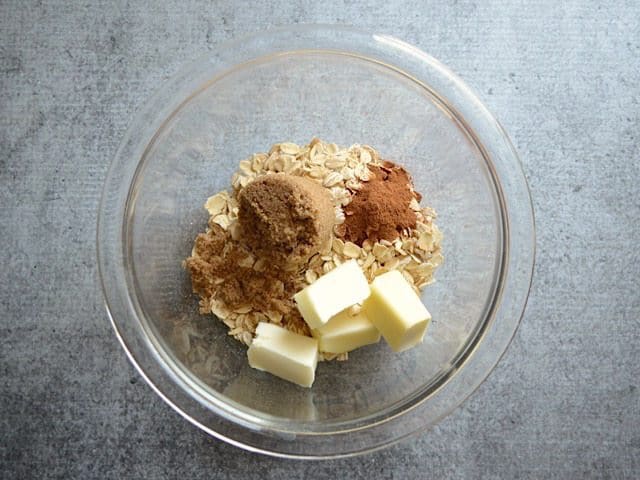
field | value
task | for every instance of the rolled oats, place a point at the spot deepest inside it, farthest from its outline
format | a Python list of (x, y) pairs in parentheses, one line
[(351, 250), (332, 179), (335, 163), (337, 245), (368, 261), (217, 204), (289, 148), (328, 266), (310, 276), (222, 220), (243, 309), (274, 317), (245, 167)]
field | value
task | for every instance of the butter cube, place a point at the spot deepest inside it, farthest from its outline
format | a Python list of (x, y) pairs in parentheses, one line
[(341, 288), (346, 332), (396, 310), (284, 354)]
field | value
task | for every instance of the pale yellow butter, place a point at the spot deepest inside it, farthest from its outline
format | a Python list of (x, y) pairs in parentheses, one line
[(284, 354), (341, 288), (346, 332), (396, 311)]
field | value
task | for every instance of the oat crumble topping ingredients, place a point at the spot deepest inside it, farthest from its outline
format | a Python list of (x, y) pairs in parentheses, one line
[(240, 283)]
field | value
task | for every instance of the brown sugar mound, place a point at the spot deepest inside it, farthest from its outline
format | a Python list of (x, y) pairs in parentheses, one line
[(285, 219), (381, 208)]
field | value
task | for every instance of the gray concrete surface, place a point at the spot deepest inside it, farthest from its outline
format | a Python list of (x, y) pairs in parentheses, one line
[(563, 77)]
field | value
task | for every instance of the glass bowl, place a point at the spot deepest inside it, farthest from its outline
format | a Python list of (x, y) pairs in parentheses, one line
[(346, 87)]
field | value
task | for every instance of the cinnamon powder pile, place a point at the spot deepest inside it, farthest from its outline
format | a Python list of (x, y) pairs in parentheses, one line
[(380, 209)]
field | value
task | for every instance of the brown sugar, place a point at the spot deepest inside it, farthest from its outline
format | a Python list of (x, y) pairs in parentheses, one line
[(285, 219), (380, 209)]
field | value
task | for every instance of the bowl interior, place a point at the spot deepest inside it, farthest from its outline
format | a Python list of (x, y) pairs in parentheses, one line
[(293, 97)]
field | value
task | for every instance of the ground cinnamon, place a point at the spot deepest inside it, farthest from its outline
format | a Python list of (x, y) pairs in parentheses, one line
[(380, 209)]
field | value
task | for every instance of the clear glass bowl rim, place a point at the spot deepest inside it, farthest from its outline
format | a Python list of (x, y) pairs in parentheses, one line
[(479, 122)]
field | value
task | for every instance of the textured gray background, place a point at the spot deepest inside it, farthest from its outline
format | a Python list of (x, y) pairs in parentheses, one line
[(563, 77)]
